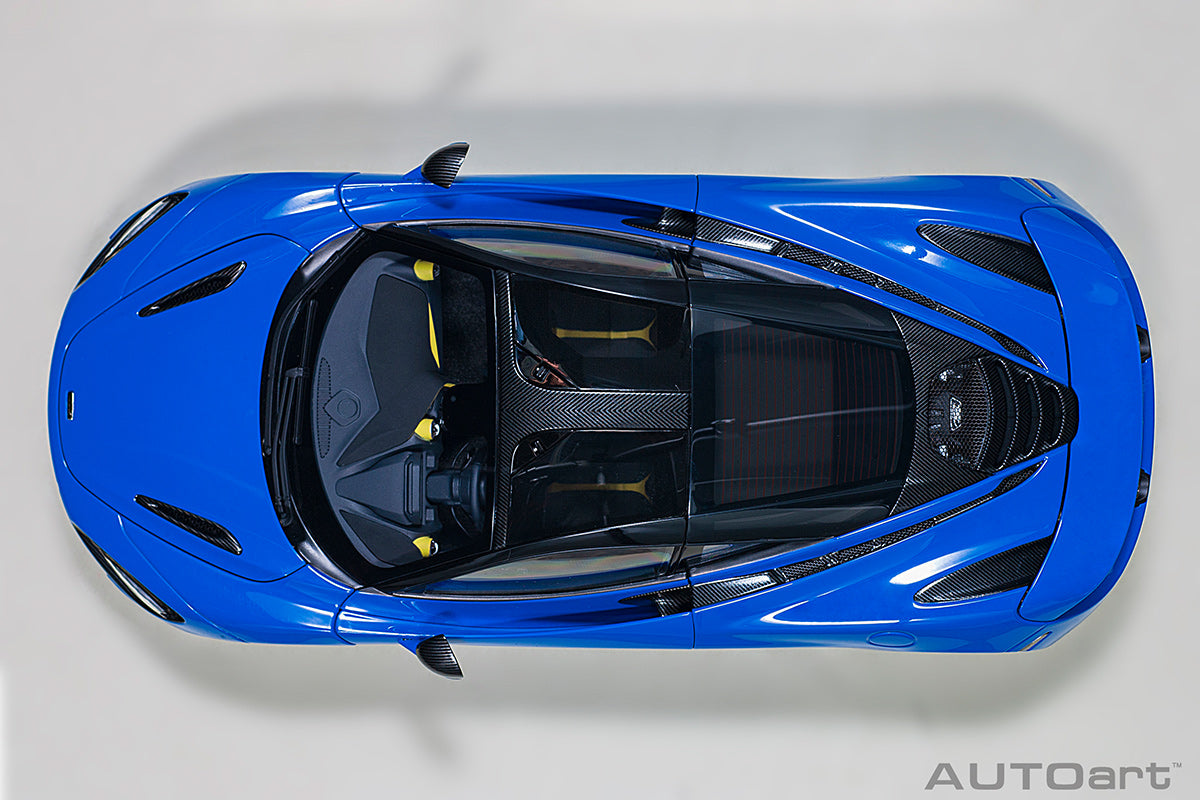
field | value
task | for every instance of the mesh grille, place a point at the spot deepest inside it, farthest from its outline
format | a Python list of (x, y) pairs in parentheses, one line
[(1011, 569), (1012, 258), (209, 285), (194, 524)]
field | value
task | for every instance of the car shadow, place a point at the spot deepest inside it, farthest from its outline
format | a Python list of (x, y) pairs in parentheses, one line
[(972, 136)]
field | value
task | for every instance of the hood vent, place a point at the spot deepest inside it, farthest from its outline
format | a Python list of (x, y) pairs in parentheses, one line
[(194, 524), (1012, 569), (210, 285), (1012, 258), (988, 414)]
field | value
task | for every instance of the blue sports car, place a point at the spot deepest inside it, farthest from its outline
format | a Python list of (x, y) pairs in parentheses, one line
[(610, 411)]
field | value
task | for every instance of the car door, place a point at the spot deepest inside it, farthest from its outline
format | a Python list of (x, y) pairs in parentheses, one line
[(594, 590)]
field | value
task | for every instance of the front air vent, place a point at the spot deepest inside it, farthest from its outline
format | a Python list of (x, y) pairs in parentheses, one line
[(194, 524), (209, 285), (128, 584), (1014, 259), (1012, 569)]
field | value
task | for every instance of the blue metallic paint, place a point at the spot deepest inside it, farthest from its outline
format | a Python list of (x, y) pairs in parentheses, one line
[(1106, 373), (171, 411)]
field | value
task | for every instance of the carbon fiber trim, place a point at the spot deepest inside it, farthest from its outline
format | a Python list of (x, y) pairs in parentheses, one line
[(673, 601), (442, 166), (720, 232), (436, 653), (671, 222), (931, 475), (194, 524), (666, 601), (219, 281), (1011, 569), (526, 409), (812, 566), (1014, 259), (708, 594)]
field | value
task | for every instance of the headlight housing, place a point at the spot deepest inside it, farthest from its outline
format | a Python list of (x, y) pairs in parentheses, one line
[(134, 226)]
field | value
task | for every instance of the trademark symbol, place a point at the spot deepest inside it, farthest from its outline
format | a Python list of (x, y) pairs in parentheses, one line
[(1176, 764)]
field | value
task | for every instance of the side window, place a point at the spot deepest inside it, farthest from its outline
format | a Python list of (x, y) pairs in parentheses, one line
[(567, 250), (556, 573)]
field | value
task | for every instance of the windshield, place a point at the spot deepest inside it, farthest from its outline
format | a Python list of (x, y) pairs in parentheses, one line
[(379, 409)]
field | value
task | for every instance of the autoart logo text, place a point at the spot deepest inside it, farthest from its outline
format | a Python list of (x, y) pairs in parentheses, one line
[(1056, 775)]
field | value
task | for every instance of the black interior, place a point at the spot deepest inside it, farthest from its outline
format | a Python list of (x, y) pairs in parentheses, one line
[(599, 341), (571, 481)]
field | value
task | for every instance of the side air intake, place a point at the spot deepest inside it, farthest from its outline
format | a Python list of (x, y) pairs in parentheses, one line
[(219, 281), (1002, 572), (194, 524), (1012, 258)]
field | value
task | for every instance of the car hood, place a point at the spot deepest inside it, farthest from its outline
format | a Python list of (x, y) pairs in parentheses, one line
[(166, 405)]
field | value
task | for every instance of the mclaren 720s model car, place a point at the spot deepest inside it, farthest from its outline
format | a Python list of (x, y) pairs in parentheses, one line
[(612, 411)]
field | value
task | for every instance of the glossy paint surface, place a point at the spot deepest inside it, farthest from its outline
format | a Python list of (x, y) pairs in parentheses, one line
[(167, 406), (873, 224), (1106, 373)]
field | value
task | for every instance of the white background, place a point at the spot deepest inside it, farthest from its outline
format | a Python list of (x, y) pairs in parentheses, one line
[(108, 105)]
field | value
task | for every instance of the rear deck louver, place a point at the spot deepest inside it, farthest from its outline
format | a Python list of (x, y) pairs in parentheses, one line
[(194, 524), (1002, 572), (1012, 258), (208, 285)]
